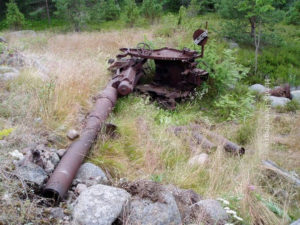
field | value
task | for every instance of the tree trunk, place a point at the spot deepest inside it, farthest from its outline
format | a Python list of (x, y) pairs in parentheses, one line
[(48, 14), (252, 21), (257, 44)]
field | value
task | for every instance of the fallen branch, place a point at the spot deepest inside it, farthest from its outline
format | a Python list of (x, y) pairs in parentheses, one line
[(269, 165)]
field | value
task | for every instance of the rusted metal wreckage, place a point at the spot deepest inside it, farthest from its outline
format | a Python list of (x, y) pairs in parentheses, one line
[(176, 75)]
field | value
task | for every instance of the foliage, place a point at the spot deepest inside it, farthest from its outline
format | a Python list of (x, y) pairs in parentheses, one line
[(14, 18), (291, 106), (245, 133), (224, 72), (5, 132), (174, 5), (293, 15), (111, 10), (237, 104), (131, 12), (74, 11), (151, 10), (194, 8)]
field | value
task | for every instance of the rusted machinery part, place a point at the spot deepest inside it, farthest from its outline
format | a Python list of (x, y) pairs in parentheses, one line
[(203, 141), (282, 91), (227, 145), (166, 53), (62, 177)]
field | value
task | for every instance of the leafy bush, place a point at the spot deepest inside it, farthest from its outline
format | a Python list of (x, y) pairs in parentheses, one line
[(14, 18), (193, 8), (291, 106), (224, 72), (245, 133), (235, 105), (111, 10)]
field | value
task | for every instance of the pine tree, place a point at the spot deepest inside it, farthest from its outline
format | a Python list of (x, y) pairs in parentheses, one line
[(14, 18)]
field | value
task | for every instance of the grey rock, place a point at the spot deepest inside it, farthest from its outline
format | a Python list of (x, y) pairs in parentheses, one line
[(297, 222), (258, 88), (17, 155), (90, 174), (198, 160), (296, 95), (3, 143), (72, 134), (61, 152), (31, 173), (209, 212), (2, 39), (80, 188), (8, 73), (99, 205), (278, 101), (233, 45), (146, 212), (185, 199), (295, 88), (57, 213), (42, 156)]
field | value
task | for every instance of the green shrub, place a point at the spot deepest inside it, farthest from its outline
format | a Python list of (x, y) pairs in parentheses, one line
[(224, 72), (151, 10), (245, 133), (235, 105), (5, 132), (14, 18), (131, 12), (291, 106)]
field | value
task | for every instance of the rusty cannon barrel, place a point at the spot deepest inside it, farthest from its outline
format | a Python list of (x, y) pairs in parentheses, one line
[(122, 84), (62, 177)]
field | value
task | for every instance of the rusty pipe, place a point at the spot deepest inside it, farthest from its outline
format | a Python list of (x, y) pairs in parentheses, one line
[(62, 177)]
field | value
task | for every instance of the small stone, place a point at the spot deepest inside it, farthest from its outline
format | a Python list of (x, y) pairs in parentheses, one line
[(296, 95), (80, 188), (31, 173), (3, 143), (91, 174), (2, 39), (17, 155), (99, 205), (258, 88), (72, 134), (210, 211), (57, 213), (198, 160), (61, 152), (278, 101)]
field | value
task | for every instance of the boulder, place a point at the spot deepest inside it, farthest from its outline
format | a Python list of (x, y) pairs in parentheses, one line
[(278, 101), (198, 160), (143, 211), (209, 212), (99, 205), (185, 199), (8, 73), (90, 174), (17, 155), (72, 134), (296, 95), (258, 88), (31, 173)]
